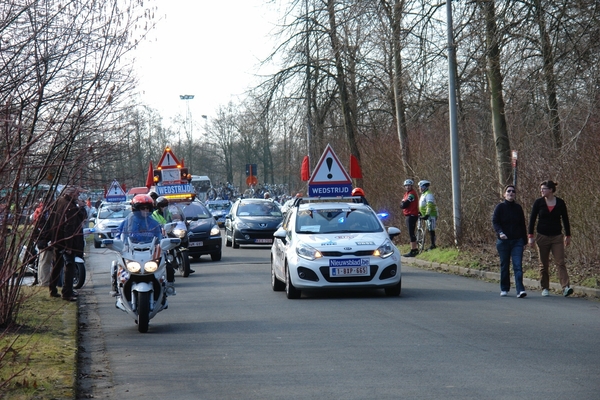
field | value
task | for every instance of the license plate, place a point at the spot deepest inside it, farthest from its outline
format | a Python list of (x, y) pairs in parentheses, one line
[(263, 241), (349, 267), (196, 244)]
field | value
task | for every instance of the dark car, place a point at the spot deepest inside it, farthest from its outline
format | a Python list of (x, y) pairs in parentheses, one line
[(204, 235), (252, 221), (219, 209)]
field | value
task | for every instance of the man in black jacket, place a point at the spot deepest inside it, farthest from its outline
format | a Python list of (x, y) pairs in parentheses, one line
[(66, 222)]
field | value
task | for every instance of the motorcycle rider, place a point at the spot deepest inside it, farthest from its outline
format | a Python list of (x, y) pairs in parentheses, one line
[(140, 227)]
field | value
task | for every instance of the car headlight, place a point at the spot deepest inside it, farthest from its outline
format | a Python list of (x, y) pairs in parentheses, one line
[(180, 233), (133, 266), (385, 250), (215, 231), (101, 226), (151, 266), (242, 225), (307, 252)]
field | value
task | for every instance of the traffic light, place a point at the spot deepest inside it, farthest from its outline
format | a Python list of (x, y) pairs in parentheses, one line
[(185, 175), (157, 176)]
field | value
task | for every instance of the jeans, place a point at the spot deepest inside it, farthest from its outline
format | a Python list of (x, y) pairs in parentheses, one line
[(507, 249)]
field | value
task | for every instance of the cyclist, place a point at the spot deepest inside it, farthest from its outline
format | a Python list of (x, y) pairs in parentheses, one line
[(428, 210), (410, 209)]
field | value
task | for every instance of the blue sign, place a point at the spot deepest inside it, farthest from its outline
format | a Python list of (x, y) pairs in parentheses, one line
[(115, 199), (331, 190), (174, 189)]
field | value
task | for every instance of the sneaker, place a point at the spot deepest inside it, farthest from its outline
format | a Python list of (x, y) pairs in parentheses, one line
[(411, 253), (70, 298), (568, 291), (545, 293), (54, 294), (503, 293), (522, 294), (433, 246)]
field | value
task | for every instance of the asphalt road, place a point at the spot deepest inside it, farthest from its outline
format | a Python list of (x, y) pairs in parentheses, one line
[(227, 335)]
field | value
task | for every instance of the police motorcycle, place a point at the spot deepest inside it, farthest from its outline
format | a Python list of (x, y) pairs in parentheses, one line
[(179, 256), (139, 274)]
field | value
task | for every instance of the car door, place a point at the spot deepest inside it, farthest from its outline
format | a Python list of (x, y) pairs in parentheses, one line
[(280, 246), (229, 220)]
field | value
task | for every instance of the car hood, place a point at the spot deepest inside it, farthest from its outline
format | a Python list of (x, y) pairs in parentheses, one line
[(344, 241), (201, 225), (109, 221)]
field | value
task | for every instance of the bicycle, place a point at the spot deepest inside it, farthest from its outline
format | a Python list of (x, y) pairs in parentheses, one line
[(421, 229)]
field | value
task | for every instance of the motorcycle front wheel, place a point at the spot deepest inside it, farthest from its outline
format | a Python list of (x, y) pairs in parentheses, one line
[(143, 309), (79, 276), (183, 260)]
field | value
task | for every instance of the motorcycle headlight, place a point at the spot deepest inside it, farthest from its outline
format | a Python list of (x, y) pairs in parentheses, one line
[(214, 231), (151, 266), (308, 252), (385, 250), (180, 233), (133, 266)]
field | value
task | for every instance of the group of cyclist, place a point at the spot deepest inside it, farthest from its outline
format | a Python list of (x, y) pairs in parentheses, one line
[(415, 207)]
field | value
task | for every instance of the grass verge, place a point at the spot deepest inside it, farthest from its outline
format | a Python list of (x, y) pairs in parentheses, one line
[(38, 359)]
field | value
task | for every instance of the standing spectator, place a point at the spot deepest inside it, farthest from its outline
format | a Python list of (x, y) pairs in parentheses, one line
[(45, 253), (66, 223), (410, 209), (428, 210), (509, 223), (549, 210)]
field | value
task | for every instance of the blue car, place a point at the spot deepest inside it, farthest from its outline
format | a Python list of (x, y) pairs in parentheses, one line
[(219, 209)]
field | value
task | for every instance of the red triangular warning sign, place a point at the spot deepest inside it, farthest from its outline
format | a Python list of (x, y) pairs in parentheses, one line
[(329, 170), (168, 160)]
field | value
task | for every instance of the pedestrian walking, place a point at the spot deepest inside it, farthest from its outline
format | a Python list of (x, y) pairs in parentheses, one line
[(508, 221), (551, 215)]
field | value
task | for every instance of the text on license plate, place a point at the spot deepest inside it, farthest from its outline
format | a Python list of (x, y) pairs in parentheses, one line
[(263, 241), (196, 244), (349, 267)]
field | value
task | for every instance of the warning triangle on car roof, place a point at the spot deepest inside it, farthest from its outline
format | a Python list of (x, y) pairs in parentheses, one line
[(329, 170), (115, 190), (168, 160)]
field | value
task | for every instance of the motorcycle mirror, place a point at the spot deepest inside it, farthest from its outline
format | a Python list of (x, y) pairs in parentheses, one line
[(170, 226), (114, 244), (169, 243)]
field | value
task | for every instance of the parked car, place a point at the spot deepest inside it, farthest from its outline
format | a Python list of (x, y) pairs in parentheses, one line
[(219, 209), (252, 221), (204, 235), (107, 220), (325, 245)]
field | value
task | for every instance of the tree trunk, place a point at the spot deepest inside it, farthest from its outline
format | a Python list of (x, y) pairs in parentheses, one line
[(494, 75), (548, 72)]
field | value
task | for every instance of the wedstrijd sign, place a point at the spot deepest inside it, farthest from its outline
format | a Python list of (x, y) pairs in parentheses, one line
[(115, 193), (329, 178)]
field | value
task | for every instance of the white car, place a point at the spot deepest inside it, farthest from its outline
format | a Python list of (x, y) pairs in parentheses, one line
[(108, 219), (326, 245)]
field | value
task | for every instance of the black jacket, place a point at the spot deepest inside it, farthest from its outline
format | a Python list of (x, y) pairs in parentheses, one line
[(509, 219), (549, 223)]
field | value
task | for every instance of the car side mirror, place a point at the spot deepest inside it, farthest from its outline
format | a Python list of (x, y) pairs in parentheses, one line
[(281, 234), (393, 231)]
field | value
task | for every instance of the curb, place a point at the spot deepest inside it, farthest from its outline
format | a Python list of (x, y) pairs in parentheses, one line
[(495, 276)]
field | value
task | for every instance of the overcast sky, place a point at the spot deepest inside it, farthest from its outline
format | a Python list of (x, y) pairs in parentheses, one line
[(209, 49)]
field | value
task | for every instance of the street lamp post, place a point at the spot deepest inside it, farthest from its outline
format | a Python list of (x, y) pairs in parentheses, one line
[(188, 128)]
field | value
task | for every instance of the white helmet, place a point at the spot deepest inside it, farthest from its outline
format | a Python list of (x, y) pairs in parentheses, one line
[(408, 182), (424, 183)]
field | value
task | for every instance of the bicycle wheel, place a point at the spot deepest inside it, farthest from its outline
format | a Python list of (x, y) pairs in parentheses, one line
[(420, 236)]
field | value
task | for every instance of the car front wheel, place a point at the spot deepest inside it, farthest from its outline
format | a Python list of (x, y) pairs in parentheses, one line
[(276, 284), (394, 290), (290, 289)]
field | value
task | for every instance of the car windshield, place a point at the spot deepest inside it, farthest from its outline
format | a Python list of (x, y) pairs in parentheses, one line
[(337, 221), (259, 209), (196, 211), (114, 211)]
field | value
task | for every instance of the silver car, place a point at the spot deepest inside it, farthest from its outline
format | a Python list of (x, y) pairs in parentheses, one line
[(108, 219)]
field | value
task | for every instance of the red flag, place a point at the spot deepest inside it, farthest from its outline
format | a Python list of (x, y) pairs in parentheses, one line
[(355, 171), (150, 176), (305, 170), (182, 163)]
